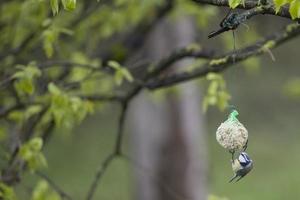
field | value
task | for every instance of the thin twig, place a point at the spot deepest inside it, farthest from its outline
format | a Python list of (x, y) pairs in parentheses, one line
[(5, 111), (104, 97), (65, 63), (118, 145), (116, 152), (30, 126), (99, 173), (222, 62), (57, 189), (20, 48)]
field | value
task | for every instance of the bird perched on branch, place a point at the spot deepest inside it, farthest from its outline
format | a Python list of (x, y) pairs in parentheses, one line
[(230, 22), (241, 166)]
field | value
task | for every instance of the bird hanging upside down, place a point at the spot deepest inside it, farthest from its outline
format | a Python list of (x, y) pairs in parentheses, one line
[(230, 22), (241, 166)]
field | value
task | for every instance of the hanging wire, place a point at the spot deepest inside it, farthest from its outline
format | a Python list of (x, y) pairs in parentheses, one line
[(233, 35)]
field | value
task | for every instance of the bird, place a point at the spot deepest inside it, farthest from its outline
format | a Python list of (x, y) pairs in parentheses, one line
[(241, 166), (230, 22)]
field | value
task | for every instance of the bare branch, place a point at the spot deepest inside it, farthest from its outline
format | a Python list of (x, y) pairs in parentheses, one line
[(57, 189), (223, 62), (64, 63), (20, 48), (5, 111), (118, 145), (178, 55), (116, 152), (31, 124), (104, 97), (103, 167), (164, 64), (6, 81), (47, 133)]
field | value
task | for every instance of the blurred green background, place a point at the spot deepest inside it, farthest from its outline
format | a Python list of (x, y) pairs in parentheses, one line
[(269, 115)]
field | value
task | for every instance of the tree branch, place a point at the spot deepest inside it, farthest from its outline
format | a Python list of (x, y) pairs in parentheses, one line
[(20, 48), (5, 111), (224, 61), (118, 145), (178, 55), (57, 189), (105, 97), (116, 152), (103, 167), (156, 69), (65, 63), (265, 9)]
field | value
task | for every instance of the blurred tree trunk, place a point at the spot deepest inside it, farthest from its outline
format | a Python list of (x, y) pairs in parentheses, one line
[(168, 137)]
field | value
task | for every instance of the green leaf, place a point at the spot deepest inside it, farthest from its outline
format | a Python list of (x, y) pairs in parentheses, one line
[(25, 78), (31, 153), (66, 31), (32, 110), (78, 74), (66, 110), (223, 98), (217, 94), (54, 6), (36, 144), (69, 5), (7, 192), (17, 116), (29, 71), (113, 64), (42, 191), (24, 86), (120, 72), (292, 88), (234, 3), (279, 3), (212, 88), (49, 37), (118, 77), (53, 89), (127, 75), (212, 76), (295, 9), (3, 133)]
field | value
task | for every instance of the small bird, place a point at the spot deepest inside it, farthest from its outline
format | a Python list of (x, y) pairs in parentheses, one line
[(241, 166), (230, 22)]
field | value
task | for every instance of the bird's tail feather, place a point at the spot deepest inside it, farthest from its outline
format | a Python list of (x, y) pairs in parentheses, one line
[(234, 177), (215, 33), (239, 178)]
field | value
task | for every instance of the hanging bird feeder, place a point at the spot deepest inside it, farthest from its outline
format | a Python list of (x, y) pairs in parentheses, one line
[(231, 134)]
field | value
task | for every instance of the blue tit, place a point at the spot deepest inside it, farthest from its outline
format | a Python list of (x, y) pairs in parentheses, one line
[(241, 166)]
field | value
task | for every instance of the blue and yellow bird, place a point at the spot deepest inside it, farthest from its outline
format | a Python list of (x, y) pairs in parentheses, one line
[(241, 166)]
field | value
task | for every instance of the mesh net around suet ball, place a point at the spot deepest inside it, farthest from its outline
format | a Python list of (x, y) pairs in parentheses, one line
[(231, 134)]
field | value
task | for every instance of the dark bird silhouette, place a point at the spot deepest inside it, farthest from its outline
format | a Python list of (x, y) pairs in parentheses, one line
[(215, 33), (230, 22)]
